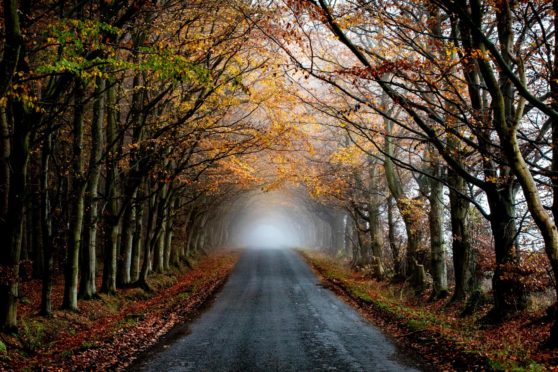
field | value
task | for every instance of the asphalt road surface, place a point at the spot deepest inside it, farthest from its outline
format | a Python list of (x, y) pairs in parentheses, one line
[(272, 315)]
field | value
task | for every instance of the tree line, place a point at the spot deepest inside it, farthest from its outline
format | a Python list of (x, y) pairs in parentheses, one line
[(122, 126), (451, 107)]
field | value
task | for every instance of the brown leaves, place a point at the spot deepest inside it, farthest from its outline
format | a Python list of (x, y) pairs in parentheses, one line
[(99, 338), (436, 331)]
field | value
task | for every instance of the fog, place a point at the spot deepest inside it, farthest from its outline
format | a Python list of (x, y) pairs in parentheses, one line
[(279, 219), (267, 235), (268, 220)]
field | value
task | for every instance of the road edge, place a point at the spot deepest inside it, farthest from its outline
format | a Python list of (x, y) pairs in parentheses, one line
[(432, 344)]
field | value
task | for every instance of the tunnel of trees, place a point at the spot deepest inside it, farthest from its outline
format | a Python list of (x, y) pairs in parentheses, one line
[(417, 138)]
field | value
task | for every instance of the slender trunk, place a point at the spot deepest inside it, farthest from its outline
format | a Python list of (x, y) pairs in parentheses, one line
[(187, 225), (112, 221), (138, 236), (436, 222), (171, 255), (36, 230), (110, 257), (161, 267), (191, 228), (159, 232), (127, 239), (169, 251), (88, 287), (46, 222), (393, 244), (146, 264), (77, 204), (160, 229), (375, 225)]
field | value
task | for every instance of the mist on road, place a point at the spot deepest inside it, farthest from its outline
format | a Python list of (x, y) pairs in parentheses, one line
[(279, 219)]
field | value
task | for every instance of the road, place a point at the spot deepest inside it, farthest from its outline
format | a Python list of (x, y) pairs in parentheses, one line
[(272, 315)]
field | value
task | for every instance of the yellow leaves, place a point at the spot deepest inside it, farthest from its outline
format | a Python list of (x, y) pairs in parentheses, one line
[(451, 50), (491, 179), (349, 156)]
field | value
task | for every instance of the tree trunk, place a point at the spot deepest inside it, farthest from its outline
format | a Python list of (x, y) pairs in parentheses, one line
[(112, 219), (375, 224), (11, 229), (139, 207), (149, 236), (46, 222), (77, 204), (127, 240), (436, 222), (461, 245), (88, 287), (171, 254), (414, 231), (13, 174), (553, 339), (36, 230), (393, 244), (510, 294)]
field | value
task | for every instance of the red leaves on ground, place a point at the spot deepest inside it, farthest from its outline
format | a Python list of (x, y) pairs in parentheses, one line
[(114, 340)]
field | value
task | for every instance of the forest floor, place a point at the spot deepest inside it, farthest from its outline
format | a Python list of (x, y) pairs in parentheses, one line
[(435, 330), (109, 332)]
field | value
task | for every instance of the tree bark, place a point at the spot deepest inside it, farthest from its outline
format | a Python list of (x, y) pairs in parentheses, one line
[(374, 221), (126, 245), (46, 222), (15, 154), (510, 294), (112, 219), (436, 223), (412, 228), (88, 288), (461, 245), (137, 239), (77, 204), (393, 244)]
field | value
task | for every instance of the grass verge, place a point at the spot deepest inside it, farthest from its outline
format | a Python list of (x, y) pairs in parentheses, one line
[(110, 332), (434, 330)]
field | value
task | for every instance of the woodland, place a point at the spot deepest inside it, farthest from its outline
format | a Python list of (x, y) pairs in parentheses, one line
[(422, 134)]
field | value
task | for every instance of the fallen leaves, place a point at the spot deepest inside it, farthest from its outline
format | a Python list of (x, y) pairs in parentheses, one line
[(101, 337), (435, 331)]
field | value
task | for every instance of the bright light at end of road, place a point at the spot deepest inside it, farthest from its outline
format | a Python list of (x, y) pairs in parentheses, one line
[(267, 236)]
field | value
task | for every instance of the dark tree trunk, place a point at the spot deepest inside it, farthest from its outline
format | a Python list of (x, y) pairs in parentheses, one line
[(13, 175), (510, 294), (46, 222), (461, 245)]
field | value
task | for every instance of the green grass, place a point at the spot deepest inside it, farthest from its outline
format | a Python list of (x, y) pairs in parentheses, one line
[(85, 345), (184, 295), (417, 324), (32, 335)]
